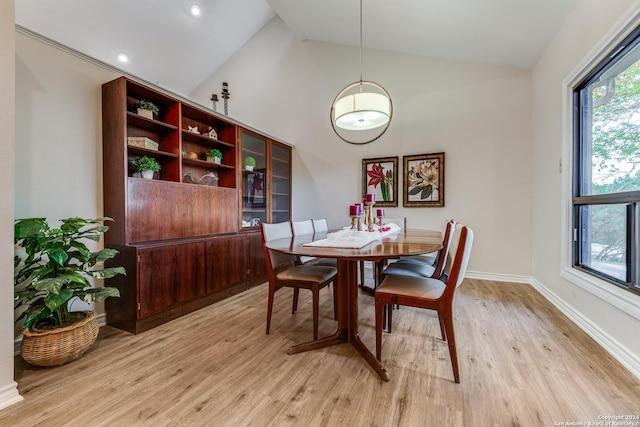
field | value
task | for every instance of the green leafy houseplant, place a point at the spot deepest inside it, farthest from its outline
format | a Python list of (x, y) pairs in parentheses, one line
[(53, 266), (145, 163), (249, 161), (214, 152), (143, 104)]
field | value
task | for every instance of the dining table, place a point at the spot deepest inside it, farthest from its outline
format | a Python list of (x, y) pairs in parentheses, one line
[(392, 246)]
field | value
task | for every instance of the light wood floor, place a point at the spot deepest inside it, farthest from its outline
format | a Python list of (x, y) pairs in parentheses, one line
[(522, 363)]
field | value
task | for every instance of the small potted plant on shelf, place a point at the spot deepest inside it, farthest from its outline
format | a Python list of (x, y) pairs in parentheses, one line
[(52, 267), (147, 109), (249, 163), (214, 155), (147, 166)]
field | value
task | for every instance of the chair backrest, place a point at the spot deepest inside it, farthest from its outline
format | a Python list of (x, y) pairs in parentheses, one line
[(302, 227), (400, 222), (320, 225), (443, 255), (460, 251), (275, 259)]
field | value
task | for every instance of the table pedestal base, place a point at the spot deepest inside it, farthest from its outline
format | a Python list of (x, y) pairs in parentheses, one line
[(347, 309)]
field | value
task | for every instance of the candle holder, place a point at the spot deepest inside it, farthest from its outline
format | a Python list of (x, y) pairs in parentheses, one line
[(353, 221), (360, 222), (380, 220), (369, 213)]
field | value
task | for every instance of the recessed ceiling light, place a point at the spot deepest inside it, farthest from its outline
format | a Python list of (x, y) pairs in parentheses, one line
[(195, 10), (123, 57)]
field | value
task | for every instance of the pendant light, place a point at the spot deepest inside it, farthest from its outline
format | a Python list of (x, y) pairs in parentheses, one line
[(362, 111)]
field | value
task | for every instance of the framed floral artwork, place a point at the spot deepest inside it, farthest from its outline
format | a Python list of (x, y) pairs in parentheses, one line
[(423, 180), (254, 190), (380, 177)]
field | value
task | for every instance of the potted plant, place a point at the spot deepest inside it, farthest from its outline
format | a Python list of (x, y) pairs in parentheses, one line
[(214, 155), (146, 108), (249, 163), (52, 267), (146, 166)]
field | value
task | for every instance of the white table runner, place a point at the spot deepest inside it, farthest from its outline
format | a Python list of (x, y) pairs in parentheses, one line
[(352, 239)]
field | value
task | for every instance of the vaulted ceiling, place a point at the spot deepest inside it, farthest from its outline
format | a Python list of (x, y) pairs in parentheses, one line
[(168, 46)]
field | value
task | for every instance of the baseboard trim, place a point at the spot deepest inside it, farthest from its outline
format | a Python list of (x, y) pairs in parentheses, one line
[(618, 351), (9, 395), (497, 277)]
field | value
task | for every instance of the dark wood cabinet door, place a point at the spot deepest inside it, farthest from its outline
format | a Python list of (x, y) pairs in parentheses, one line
[(226, 262), (169, 275), (257, 266)]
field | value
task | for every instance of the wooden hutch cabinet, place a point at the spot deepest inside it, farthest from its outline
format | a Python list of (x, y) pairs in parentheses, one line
[(182, 236)]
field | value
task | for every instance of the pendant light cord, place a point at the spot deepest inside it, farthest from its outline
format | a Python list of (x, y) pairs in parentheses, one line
[(360, 40)]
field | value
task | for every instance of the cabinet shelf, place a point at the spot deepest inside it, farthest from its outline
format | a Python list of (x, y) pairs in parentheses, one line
[(204, 140), (150, 153), (205, 164), (253, 152), (148, 124)]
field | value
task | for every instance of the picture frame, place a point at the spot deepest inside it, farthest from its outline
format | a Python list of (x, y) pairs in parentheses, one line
[(254, 190), (423, 180), (380, 177)]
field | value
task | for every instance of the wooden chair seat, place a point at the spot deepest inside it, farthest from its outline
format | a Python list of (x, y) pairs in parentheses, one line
[(307, 273), (412, 287)]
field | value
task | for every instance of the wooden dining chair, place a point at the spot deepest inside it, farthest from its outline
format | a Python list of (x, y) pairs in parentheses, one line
[(425, 267), (306, 227), (432, 257), (429, 293), (320, 225), (283, 271), (378, 267)]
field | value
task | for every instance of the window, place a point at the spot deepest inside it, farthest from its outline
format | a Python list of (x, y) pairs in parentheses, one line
[(606, 175)]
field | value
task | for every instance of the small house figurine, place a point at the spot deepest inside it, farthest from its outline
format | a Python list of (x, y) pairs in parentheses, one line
[(211, 133), (193, 129)]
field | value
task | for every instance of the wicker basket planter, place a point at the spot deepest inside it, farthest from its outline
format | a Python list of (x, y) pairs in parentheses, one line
[(59, 346)]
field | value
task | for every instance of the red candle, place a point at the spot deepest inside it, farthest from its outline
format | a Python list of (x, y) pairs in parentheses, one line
[(370, 198), (380, 213), (353, 210)]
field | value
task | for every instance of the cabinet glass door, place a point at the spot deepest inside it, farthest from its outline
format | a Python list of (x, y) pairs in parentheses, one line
[(254, 180), (280, 183)]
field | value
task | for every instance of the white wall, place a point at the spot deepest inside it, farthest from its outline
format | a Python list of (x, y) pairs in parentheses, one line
[(8, 387), (479, 115), (58, 156), (586, 25)]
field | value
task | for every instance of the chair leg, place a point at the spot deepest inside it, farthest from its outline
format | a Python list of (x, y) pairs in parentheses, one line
[(335, 301), (269, 308), (384, 317), (316, 297), (294, 308), (442, 329), (389, 316), (448, 324), (379, 305)]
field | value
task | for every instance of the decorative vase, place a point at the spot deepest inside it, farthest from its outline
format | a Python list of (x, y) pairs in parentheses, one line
[(147, 174), (216, 160), (61, 345), (145, 113), (248, 168)]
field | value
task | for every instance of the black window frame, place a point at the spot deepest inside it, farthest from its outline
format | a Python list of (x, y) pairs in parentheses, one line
[(630, 199)]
